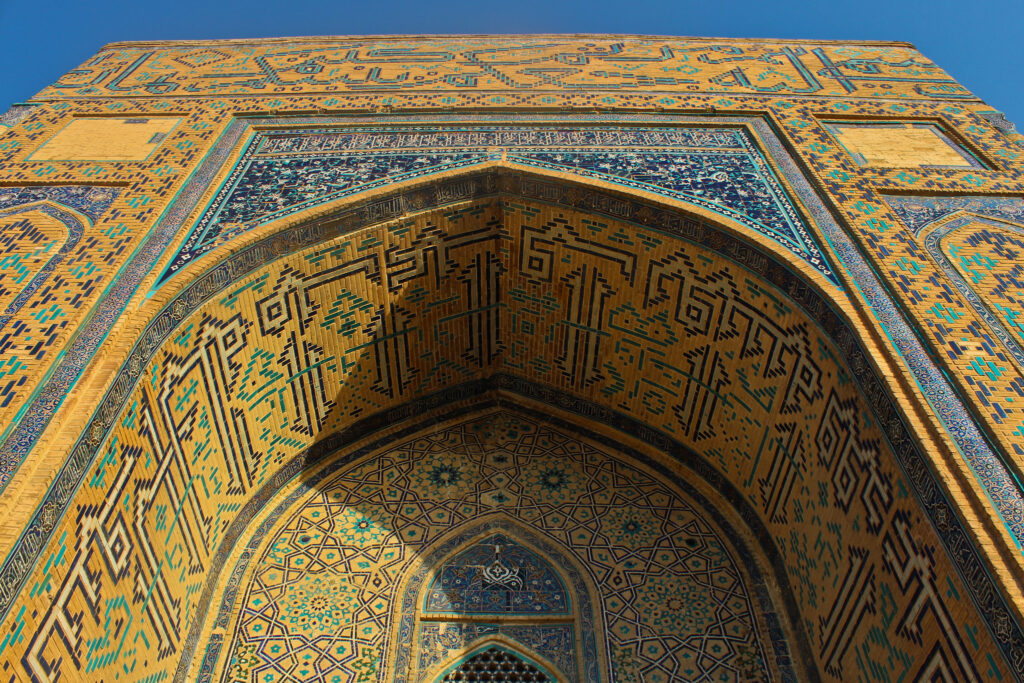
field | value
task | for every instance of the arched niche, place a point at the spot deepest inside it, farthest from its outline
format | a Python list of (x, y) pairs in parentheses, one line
[(980, 256), (493, 578), (37, 237), (643, 574), (654, 321)]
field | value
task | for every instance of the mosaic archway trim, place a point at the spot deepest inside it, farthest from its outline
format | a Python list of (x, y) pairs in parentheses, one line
[(757, 263), (90, 200), (470, 403)]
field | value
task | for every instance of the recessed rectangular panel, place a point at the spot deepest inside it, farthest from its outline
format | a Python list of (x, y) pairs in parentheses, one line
[(901, 145), (106, 139)]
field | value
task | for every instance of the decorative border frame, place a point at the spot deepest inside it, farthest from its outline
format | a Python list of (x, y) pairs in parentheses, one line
[(127, 119), (970, 157)]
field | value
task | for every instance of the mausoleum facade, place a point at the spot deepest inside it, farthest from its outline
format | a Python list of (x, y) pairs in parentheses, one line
[(532, 358)]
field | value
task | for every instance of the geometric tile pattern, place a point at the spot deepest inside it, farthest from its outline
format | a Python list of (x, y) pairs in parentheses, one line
[(544, 63), (121, 532), (919, 212), (986, 463), (29, 240), (282, 172), (672, 598), (686, 341)]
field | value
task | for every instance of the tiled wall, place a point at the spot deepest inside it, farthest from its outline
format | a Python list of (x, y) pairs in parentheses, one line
[(103, 581)]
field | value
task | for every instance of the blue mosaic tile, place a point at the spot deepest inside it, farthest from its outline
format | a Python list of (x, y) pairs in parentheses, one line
[(717, 169)]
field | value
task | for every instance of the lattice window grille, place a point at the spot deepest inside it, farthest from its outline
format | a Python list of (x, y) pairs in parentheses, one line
[(495, 665)]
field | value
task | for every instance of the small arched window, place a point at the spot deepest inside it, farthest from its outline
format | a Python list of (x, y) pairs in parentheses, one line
[(497, 608)]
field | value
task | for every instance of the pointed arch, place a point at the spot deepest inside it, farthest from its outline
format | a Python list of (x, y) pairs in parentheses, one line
[(581, 618), (860, 437)]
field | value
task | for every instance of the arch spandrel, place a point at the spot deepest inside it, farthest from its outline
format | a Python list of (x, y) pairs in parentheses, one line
[(691, 345), (720, 172)]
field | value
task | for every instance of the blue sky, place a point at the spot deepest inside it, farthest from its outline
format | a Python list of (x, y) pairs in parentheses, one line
[(980, 44)]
